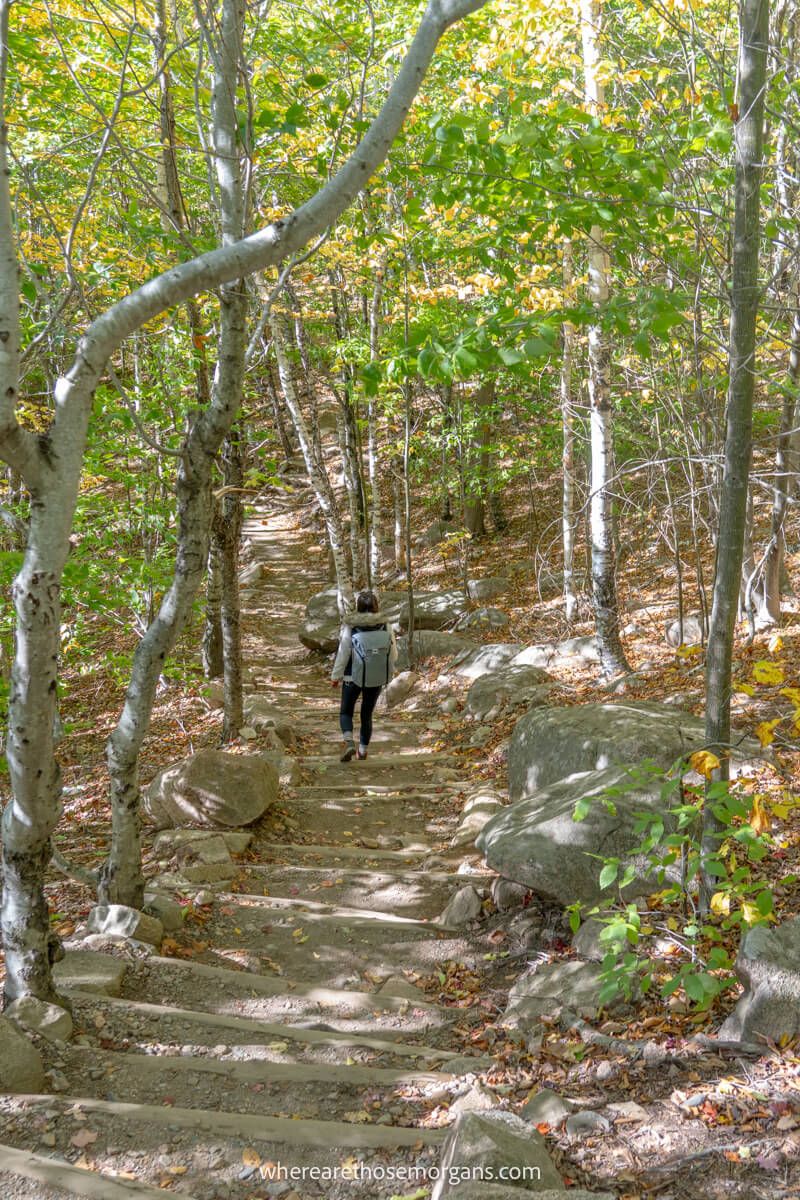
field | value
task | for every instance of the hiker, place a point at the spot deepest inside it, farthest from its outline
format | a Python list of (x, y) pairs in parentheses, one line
[(364, 663)]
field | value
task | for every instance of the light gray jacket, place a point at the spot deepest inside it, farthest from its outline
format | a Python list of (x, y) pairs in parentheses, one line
[(341, 666)]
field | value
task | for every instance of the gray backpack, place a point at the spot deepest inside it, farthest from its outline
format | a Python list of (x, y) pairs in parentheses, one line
[(370, 659)]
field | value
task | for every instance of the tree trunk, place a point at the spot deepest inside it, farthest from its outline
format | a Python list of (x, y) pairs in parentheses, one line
[(51, 466), (373, 464), (211, 649), (749, 131), (227, 533), (604, 584), (121, 879), (568, 447), (315, 469)]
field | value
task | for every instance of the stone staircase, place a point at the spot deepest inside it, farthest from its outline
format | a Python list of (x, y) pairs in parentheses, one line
[(294, 1053)]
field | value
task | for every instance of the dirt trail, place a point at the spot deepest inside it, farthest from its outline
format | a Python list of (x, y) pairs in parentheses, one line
[(213, 1081)]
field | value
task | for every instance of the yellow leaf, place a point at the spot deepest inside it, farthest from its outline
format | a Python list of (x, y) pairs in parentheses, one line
[(721, 904), (791, 693), (177, 1170), (751, 913), (775, 644), (671, 923), (250, 1157), (744, 689), (765, 731), (767, 672), (704, 762), (759, 817), (357, 1118)]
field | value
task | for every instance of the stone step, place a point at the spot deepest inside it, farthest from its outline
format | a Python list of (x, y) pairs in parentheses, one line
[(231, 984), (345, 851), (259, 1032), (265, 1089), (330, 1134), (64, 1178), (410, 893)]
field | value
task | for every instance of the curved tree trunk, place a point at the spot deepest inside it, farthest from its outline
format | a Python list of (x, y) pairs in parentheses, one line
[(51, 466)]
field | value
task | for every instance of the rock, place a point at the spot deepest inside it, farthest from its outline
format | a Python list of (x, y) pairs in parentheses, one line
[(433, 610), (768, 965), (484, 618), (549, 744), (164, 909), (166, 843), (536, 842), (471, 664), (247, 733), (506, 894), (212, 789), (206, 860), (263, 716), (119, 920), (37, 1016), (396, 985), (587, 1124), (430, 643), (488, 588), (546, 1108), (500, 1146), (543, 990), (216, 693), (450, 705), (321, 633), (87, 971), (570, 653), (477, 1099), (481, 805), (481, 736), (290, 773), (399, 688), (508, 686), (436, 532), (586, 940), (692, 631), (464, 907), (628, 1111)]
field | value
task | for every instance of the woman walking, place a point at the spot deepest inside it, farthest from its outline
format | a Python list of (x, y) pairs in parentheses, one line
[(364, 664)]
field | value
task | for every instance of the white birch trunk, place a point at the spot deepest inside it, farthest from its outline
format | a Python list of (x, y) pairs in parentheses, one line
[(315, 470), (121, 879), (51, 467), (568, 449), (373, 465), (604, 587)]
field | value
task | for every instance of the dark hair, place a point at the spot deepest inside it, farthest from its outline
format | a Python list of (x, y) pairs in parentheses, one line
[(366, 602)]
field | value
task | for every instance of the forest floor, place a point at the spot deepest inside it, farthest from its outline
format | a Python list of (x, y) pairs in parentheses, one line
[(259, 1036)]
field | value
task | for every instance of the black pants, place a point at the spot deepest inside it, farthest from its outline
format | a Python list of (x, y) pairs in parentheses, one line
[(369, 698)]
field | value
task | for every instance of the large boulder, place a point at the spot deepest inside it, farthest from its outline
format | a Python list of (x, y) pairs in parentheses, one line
[(320, 633), (212, 790), (433, 610), (497, 1146), (484, 618), (431, 643), (488, 588), (90, 971), (572, 653), (471, 664), (21, 1065), (512, 687), (768, 964), (550, 743), (543, 990), (536, 842)]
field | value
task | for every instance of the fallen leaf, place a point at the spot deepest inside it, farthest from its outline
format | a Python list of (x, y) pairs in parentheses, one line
[(83, 1138)]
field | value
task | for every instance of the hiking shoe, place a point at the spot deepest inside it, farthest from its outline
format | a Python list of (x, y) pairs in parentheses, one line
[(362, 752), (348, 754)]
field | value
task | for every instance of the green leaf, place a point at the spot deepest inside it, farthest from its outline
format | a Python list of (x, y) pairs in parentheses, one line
[(608, 874)]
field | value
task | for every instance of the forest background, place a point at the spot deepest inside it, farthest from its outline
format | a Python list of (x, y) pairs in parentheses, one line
[(576, 263)]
